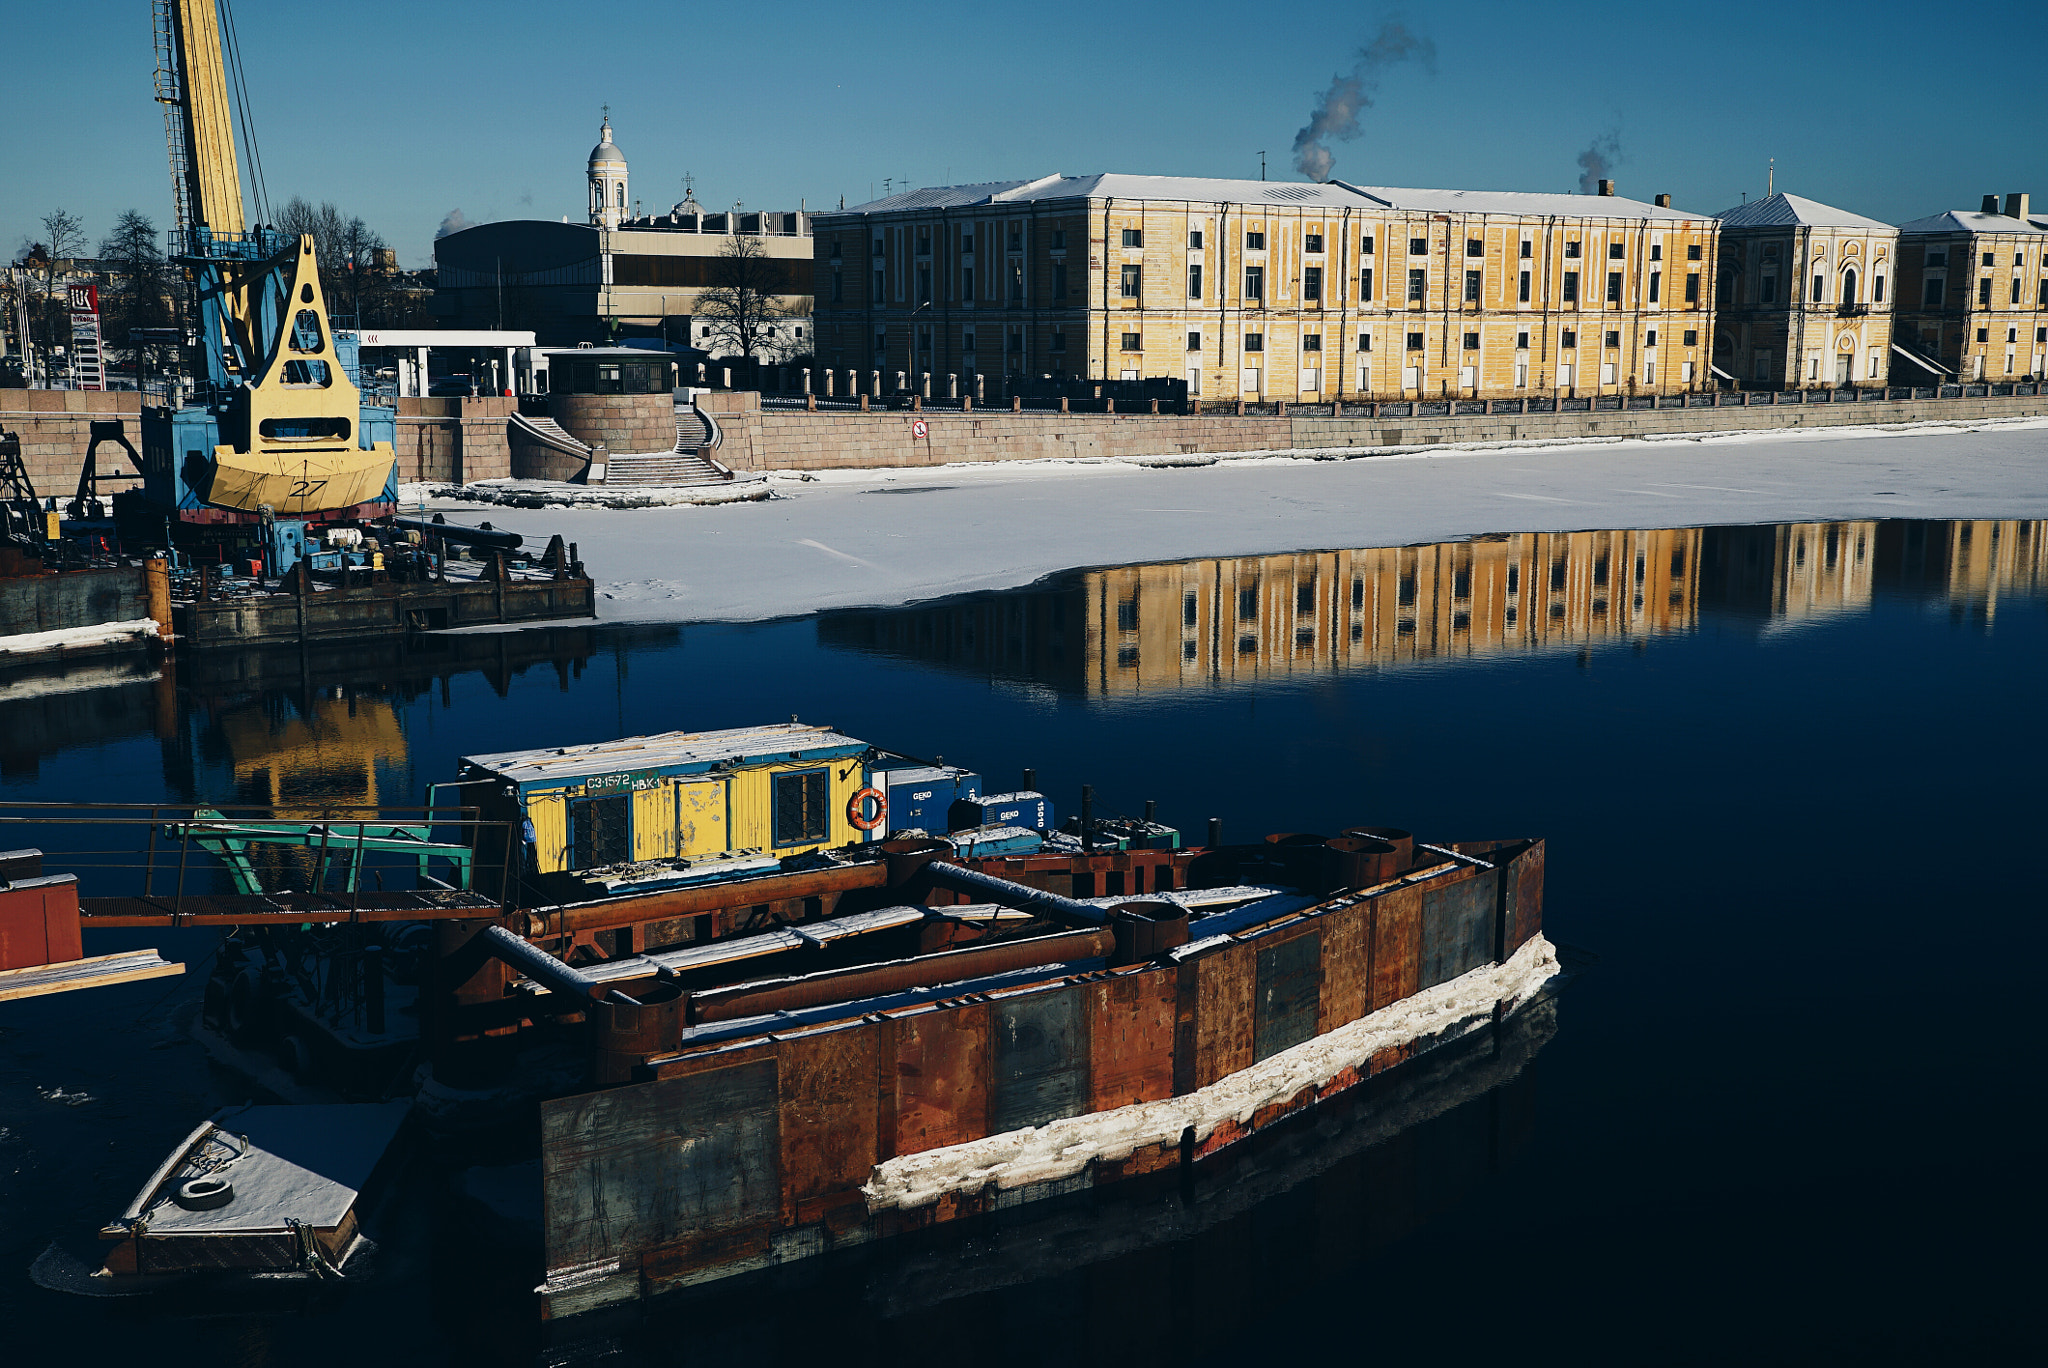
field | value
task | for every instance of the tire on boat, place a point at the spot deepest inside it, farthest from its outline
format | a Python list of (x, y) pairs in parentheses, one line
[(204, 1194)]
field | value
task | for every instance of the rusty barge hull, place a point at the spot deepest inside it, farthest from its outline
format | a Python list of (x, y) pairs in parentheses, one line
[(759, 1143)]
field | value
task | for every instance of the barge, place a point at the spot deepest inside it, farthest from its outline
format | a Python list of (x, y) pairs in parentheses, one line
[(743, 1012)]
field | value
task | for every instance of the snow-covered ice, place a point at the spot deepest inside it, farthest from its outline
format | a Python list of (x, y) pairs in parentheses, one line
[(880, 538)]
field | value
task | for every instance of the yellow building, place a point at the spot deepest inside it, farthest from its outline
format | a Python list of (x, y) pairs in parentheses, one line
[(1806, 295), (1267, 290), (1974, 295), (777, 790)]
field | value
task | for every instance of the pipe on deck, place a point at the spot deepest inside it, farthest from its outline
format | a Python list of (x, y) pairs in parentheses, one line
[(544, 969), (1020, 896)]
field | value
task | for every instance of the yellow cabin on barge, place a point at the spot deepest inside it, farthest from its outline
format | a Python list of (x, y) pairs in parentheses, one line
[(777, 791)]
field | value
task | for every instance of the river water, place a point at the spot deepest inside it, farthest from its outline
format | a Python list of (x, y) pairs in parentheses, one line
[(1788, 1110)]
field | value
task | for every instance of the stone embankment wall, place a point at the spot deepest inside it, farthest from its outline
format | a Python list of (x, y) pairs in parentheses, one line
[(438, 439), (624, 423), (790, 439)]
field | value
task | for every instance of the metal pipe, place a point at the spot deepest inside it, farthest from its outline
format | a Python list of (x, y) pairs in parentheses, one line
[(876, 980), (544, 969), (468, 536), (1215, 832), (1020, 896), (682, 902)]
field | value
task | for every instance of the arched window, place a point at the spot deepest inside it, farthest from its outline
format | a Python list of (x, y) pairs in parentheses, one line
[(620, 203), (1849, 286)]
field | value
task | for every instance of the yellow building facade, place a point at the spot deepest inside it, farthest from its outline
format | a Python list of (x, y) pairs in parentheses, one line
[(1974, 295), (1806, 295), (1266, 290)]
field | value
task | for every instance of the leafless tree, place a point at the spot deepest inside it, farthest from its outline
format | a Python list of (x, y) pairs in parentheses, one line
[(138, 295), (744, 299), (63, 242)]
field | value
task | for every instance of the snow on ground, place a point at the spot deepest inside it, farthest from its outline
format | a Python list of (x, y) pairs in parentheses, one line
[(877, 538)]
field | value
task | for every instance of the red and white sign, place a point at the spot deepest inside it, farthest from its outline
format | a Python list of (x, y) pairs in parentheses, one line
[(919, 429)]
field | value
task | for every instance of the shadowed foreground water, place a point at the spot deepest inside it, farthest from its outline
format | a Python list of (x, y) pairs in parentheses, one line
[(1787, 1112)]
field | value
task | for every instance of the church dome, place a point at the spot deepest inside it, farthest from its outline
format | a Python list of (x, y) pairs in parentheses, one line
[(606, 150)]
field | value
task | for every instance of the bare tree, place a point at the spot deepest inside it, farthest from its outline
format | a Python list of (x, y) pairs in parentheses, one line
[(744, 300), (139, 293), (63, 242)]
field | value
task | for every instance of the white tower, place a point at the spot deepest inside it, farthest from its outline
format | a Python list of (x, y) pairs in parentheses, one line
[(607, 180)]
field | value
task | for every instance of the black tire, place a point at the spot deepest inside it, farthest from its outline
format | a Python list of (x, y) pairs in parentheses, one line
[(204, 1194)]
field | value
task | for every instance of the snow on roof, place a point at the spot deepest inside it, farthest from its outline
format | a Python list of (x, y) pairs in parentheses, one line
[(1210, 190), (1970, 221), (670, 751), (1787, 211)]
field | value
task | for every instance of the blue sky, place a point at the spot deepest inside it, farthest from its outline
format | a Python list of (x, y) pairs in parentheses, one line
[(416, 110)]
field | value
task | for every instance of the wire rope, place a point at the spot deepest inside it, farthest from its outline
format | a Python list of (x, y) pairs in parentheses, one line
[(259, 187)]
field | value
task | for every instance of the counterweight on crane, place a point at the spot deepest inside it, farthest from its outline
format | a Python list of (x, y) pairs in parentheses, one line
[(277, 427)]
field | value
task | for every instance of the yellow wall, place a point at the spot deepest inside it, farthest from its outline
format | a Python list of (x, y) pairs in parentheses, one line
[(654, 823), (700, 817), (753, 812), (549, 814)]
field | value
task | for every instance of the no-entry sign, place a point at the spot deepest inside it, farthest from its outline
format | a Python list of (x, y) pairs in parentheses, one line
[(919, 429)]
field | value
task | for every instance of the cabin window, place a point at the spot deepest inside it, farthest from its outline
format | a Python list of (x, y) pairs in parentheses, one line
[(600, 831), (801, 807)]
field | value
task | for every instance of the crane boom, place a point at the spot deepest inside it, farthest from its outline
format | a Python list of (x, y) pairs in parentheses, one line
[(192, 84)]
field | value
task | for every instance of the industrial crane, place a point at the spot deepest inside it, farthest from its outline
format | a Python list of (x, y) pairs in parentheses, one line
[(276, 427)]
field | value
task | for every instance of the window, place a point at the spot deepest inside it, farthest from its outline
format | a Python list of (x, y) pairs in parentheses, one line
[(1133, 279), (1649, 372), (924, 339), (1614, 287), (1134, 237), (1877, 289), (2012, 334), (1656, 251), (2015, 290), (1931, 296), (1571, 249), (1938, 257), (1528, 249), (1569, 338), (967, 282), (1365, 341), (1016, 282), (1983, 334), (1365, 285), (1312, 284), (1195, 281), (1418, 246), (1415, 341), (1692, 251), (1134, 342), (1365, 245), (924, 284), (1767, 290), (1255, 283), (838, 288), (879, 248), (1522, 287), (1016, 341), (1059, 341), (1312, 342), (1820, 287), (924, 242), (1613, 339), (1692, 337), (1521, 341), (1059, 280), (1194, 341), (967, 341), (1984, 292), (1692, 287), (1471, 341), (1656, 286), (1614, 251), (601, 831), (1255, 242), (1254, 342), (1472, 287), (878, 285), (835, 250), (1418, 284), (1475, 247), (1650, 339), (1195, 239), (802, 807), (1571, 287), (1990, 259), (1312, 242)]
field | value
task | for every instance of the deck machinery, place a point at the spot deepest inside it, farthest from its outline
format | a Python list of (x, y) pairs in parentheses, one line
[(277, 427)]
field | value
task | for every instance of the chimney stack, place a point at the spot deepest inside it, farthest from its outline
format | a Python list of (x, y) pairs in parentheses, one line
[(1663, 201), (2016, 205), (1607, 187), (1990, 204)]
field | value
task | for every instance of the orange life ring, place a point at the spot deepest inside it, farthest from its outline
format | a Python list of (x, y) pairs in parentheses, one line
[(856, 809)]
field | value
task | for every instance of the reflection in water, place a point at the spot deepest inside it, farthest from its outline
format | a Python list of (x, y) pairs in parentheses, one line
[(1127, 631)]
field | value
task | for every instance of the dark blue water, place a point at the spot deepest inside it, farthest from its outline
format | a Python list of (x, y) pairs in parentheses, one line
[(1790, 1110)]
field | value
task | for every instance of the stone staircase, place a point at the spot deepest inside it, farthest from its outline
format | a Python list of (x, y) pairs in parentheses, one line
[(671, 469)]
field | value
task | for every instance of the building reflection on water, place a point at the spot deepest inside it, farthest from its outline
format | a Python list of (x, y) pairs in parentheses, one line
[(1223, 623)]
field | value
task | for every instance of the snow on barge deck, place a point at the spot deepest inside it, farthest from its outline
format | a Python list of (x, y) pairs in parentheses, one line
[(746, 1023)]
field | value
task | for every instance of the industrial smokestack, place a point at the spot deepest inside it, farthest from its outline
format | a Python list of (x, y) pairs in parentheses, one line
[(1607, 187), (1990, 205), (2016, 205), (1663, 201)]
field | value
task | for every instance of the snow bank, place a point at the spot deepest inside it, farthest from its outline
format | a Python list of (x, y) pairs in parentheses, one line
[(561, 494), (96, 636), (1062, 1149), (881, 538)]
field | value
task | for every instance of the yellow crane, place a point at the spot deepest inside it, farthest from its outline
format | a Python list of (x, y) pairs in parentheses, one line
[(277, 427)]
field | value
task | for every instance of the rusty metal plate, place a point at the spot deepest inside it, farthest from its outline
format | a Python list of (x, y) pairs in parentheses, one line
[(1223, 1016), (1397, 946), (1457, 928), (1041, 1059), (1130, 1035), (827, 1086), (1528, 875), (942, 1064), (1346, 966), (1289, 993), (630, 1168)]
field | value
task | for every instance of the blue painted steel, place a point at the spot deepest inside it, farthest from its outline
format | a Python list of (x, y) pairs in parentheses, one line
[(1024, 809), (977, 842), (922, 796)]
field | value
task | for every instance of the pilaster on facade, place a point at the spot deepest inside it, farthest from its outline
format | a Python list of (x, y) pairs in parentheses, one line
[(1975, 299)]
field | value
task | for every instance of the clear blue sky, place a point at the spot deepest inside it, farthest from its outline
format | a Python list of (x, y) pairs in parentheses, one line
[(404, 112)]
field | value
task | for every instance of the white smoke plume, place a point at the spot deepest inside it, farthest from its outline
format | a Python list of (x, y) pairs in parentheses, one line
[(1597, 162), (1336, 113), (454, 223)]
